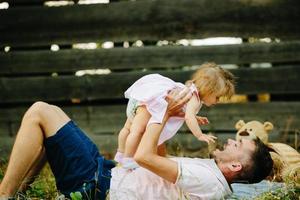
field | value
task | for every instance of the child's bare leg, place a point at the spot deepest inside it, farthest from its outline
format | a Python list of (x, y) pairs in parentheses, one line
[(39, 122), (122, 137), (137, 129)]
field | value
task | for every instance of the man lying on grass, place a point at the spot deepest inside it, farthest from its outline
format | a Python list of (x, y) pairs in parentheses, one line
[(48, 134)]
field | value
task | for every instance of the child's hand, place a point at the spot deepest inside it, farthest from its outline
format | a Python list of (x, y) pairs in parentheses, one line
[(202, 120), (207, 138)]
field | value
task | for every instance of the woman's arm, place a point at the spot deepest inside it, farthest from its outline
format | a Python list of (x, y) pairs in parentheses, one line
[(146, 154)]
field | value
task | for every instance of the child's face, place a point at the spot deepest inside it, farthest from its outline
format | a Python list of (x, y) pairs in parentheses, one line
[(210, 100)]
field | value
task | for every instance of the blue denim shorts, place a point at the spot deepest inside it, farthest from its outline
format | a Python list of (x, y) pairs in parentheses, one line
[(77, 164)]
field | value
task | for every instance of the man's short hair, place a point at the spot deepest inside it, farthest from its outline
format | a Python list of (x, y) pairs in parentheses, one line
[(260, 164)]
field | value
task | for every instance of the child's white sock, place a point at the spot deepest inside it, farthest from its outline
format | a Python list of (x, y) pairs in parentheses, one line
[(119, 157), (129, 163)]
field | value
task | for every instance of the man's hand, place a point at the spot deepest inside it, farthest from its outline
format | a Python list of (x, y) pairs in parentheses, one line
[(176, 100)]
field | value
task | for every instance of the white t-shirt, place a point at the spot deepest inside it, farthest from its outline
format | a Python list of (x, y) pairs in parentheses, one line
[(197, 179)]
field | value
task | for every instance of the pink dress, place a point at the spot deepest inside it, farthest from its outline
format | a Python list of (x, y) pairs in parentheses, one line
[(151, 90)]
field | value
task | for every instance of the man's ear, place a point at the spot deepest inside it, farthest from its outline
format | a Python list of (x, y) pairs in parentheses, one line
[(235, 166)]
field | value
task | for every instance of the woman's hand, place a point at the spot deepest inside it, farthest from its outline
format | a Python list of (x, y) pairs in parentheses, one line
[(176, 100)]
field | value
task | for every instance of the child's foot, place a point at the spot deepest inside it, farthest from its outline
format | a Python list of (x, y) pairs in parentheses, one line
[(118, 157), (129, 163)]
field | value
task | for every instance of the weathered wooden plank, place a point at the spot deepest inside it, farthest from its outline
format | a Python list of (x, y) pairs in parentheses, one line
[(149, 20), (13, 3), (180, 144), (112, 86), (41, 2), (101, 120), (29, 62)]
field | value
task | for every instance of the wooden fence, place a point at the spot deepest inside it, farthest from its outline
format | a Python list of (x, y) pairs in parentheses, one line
[(30, 71)]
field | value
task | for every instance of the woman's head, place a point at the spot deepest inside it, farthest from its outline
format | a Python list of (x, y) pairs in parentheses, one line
[(213, 82)]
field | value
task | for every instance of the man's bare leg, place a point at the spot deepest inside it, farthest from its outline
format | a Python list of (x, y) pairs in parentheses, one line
[(34, 171), (41, 161), (39, 122)]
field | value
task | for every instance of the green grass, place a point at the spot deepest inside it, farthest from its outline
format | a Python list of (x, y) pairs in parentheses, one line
[(289, 192), (42, 188), (44, 185)]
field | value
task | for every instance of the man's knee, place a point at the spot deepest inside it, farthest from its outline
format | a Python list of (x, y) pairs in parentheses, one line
[(49, 117), (41, 106), (37, 109)]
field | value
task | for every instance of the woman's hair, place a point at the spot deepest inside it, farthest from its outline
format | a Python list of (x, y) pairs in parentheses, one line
[(212, 79)]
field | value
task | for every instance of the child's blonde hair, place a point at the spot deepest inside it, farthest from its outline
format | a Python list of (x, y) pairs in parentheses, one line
[(213, 79)]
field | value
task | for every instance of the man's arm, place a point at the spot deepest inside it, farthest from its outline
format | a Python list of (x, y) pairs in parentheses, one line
[(146, 154), (162, 150)]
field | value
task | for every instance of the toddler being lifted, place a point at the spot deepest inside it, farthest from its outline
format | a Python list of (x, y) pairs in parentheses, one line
[(147, 105)]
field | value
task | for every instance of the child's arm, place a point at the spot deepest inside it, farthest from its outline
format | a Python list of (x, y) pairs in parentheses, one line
[(192, 122), (202, 120)]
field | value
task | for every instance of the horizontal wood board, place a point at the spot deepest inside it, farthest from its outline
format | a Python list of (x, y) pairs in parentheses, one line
[(149, 20)]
